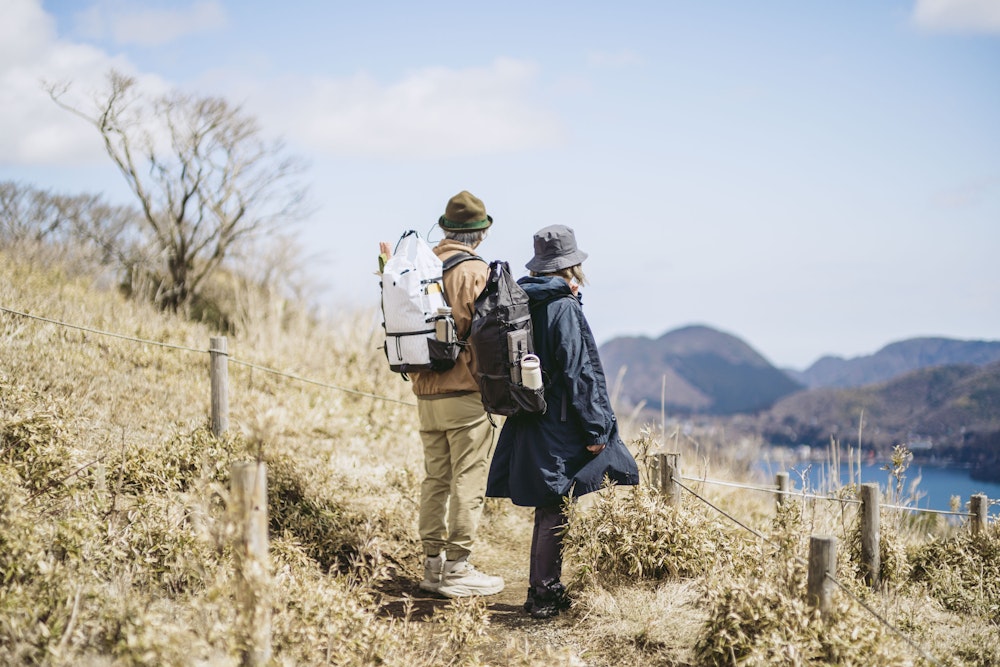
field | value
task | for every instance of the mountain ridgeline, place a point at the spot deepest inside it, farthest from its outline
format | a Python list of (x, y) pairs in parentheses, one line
[(694, 370), (939, 396), (897, 359), (700, 370)]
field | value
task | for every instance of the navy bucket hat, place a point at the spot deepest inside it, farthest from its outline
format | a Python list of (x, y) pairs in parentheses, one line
[(555, 250)]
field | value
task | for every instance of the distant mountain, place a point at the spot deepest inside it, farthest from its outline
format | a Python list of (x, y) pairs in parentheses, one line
[(946, 411), (896, 359), (696, 369)]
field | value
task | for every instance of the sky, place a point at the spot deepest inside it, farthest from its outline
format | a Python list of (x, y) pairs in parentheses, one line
[(816, 178)]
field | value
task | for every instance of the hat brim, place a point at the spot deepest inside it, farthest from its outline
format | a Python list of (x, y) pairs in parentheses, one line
[(470, 226), (553, 264)]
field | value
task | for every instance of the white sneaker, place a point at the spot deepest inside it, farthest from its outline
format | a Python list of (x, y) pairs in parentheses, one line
[(433, 569), (460, 579)]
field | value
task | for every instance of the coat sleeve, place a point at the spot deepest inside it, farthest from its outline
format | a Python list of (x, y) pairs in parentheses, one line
[(586, 386)]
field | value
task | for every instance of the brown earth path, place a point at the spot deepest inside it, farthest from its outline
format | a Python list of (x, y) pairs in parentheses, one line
[(510, 627), (503, 549)]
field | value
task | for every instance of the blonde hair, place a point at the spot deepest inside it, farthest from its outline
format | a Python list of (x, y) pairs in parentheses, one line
[(567, 274)]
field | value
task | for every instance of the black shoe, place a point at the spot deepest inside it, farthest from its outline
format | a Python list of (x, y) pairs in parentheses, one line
[(549, 602), (530, 602)]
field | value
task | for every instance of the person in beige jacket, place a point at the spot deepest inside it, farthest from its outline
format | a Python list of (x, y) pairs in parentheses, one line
[(457, 434)]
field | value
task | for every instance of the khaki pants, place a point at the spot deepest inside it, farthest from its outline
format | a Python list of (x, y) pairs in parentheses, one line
[(458, 445)]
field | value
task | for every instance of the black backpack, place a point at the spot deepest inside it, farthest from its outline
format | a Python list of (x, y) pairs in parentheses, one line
[(500, 336)]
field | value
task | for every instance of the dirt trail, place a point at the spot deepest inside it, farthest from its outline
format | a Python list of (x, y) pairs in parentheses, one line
[(503, 550), (509, 624)]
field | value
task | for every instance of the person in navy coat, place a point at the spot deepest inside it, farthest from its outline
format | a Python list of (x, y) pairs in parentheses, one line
[(542, 460)]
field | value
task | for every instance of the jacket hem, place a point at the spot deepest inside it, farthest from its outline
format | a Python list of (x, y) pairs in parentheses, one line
[(450, 394)]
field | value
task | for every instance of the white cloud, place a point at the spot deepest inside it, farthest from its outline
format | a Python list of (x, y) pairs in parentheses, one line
[(125, 24), (431, 113), (958, 15), (24, 32), (33, 130)]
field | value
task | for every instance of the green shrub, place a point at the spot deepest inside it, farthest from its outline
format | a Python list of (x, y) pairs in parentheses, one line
[(758, 614), (633, 534), (180, 464), (962, 572), (43, 560), (759, 622), (893, 564), (34, 440)]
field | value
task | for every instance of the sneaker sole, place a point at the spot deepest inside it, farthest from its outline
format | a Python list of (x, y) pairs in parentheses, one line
[(429, 587), (468, 591)]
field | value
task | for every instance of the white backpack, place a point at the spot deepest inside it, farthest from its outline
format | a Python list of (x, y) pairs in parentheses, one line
[(412, 303)]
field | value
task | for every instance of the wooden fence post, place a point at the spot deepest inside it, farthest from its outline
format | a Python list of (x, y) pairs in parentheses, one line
[(978, 504), (871, 560), (660, 472), (659, 464), (669, 467), (782, 481), (101, 483), (219, 371), (822, 566), (248, 491)]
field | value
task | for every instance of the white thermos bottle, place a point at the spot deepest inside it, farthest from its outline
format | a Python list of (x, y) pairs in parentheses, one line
[(444, 325), (531, 372)]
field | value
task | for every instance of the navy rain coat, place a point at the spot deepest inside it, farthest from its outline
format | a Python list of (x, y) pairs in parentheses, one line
[(542, 458)]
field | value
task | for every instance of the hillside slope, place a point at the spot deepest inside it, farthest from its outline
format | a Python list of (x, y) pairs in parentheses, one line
[(116, 543), (945, 411)]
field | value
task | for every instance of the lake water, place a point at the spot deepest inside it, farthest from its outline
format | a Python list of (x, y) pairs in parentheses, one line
[(934, 488)]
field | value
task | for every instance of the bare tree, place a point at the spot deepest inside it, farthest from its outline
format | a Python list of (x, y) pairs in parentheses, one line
[(83, 226), (206, 181), (26, 215)]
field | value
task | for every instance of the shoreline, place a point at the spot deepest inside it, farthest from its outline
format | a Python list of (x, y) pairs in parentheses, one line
[(792, 456)]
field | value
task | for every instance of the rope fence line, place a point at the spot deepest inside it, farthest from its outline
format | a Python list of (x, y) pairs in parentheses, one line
[(209, 351), (726, 514), (676, 479), (355, 392), (802, 494), (719, 482), (802, 561), (100, 332), (926, 510), (320, 384), (772, 489)]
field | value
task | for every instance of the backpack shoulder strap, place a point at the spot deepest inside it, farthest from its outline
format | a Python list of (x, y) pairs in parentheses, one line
[(452, 262), (458, 258)]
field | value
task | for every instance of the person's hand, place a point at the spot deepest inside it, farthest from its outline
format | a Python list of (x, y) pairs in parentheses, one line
[(384, 253), (595, 449)]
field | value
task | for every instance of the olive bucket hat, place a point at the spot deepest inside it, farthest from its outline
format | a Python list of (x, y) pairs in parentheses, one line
[(465, 212), (555, 250)]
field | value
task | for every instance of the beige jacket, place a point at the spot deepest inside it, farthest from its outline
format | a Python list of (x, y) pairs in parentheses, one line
[(462, 285)]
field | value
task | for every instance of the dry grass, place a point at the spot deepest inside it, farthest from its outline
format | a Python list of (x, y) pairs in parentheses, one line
[(115, 545)]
